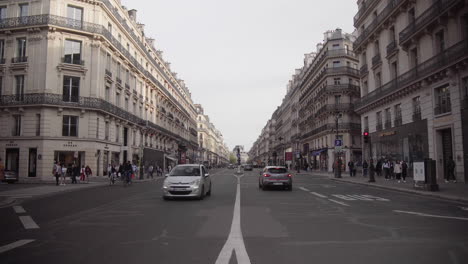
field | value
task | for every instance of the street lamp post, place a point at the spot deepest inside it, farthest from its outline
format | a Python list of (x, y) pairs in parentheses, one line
[(337, 152)]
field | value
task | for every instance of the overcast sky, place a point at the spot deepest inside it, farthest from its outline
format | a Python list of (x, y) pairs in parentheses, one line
[(237, 56)]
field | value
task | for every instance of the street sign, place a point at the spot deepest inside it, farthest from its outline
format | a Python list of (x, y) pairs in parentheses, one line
[(338, 142)]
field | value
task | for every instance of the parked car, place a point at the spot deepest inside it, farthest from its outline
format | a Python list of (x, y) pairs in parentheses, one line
[(275, 176), (248, 167), (10, 176), (188, 180)]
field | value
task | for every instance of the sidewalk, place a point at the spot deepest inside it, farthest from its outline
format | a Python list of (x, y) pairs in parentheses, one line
[(448, 191)]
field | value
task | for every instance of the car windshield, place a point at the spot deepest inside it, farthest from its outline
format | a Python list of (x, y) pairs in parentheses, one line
[(185, 171), (277, 170)]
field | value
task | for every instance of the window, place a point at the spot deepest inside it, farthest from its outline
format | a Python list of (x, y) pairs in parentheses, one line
[(117, 99), (365, 88), (366, 123), (38, 124), (126, 104), (23, 10), (398, 118), (465, 26), (72, 52), (71, 88), (439, 42), (120, 38), (19, 91), (393, 70), (377, 48), (118, 69), (70, 126), (108, 62), (109, 28), (443, 104), (336, 63), (16, 125), (337, 99), (378, 80), (21, 48), (337, 81), (134, 137), (107, 94), (117, 133), (413, 57), (97, 128), (75, 13), (378, 117), (416, 108), (2, 50), (392, 34), (127, 77), (3, 12), (388, 118), (106, 131), (1, 87)]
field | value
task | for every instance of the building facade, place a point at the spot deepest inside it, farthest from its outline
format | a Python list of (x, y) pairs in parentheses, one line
[(81, 83), (213, 151), (414, 81), (329, 87)]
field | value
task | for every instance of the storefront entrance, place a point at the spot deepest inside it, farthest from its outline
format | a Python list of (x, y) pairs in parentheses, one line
[(32, 163), (12, 159), (68, 158)]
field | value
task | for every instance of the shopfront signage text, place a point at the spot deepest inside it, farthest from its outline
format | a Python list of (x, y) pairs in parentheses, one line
[(70, 144), (389, 133)]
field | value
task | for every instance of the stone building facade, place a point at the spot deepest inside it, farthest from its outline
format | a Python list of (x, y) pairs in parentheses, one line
[(81, 83), (414, 80)]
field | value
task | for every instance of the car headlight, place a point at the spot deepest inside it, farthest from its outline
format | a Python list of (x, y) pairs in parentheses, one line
[(166, 185), (195, 183)]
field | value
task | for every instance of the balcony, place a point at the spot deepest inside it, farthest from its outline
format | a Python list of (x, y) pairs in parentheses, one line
[(333, 108), (365, 6), (119, 81), (428, 17), (391, 8), (442, 108), (332, 127), (376, 61), (392, 48), (19, 59), (108, 73), (69, 60), (431, 66), (363, 71), (398, 121), (127, 86)]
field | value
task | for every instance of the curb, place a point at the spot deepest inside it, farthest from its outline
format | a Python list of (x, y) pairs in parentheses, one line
[(426, 194)]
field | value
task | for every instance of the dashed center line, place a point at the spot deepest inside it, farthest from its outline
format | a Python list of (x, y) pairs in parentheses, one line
[(16, 244), (28, 222)]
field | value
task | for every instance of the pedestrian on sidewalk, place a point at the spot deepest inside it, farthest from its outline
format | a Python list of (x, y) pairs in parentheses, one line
[(75, 173), (371, 171), (386, 167), (392, 170), (88, 173), (365, 167), (451, 170), (150, 171), (57, 171), (378, 168), (397, 170), (63, 174), (82, 173), (404, 170), (351, 168)]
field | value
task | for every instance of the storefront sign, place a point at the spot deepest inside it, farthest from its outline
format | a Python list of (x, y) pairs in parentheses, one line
[(389, 133), (70, 144), (418, 171), (11, 144)]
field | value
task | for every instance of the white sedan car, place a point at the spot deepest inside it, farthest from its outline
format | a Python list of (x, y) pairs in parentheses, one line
[(187, 180)]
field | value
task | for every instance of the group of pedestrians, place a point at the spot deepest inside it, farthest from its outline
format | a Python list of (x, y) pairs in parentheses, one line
[(60, 171), (125, 171), (151, 170), (392, 170)]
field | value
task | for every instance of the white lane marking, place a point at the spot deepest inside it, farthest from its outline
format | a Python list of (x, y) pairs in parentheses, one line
[(376, 198), (16, 244), (28, 222), (338, 202), (359, 197), (19, 209), (344, 197), (304, 189), (235, 241), (464, 208), (318, 194), (430, 215)]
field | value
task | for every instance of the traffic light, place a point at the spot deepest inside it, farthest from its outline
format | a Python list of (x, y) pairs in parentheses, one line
[(366, 136)]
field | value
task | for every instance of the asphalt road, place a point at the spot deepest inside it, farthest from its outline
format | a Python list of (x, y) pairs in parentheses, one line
[(320, 221)]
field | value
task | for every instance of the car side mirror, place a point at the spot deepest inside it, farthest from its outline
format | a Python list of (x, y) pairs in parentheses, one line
[(207, 174), (167, 175)]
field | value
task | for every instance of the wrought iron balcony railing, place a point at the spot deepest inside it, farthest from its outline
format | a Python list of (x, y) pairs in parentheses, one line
[(376, 60), (392, 48), (70, 60), (81, 102), (365, 6), (438, 62), (333, 108), (332, 128), (19, 59), (442, 108), (429, 15)]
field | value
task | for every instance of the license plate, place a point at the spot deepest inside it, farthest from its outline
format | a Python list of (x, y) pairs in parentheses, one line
[(277, 183)]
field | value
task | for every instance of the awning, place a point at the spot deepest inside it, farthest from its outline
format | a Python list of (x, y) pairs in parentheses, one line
[(171, 158), (317, 152)]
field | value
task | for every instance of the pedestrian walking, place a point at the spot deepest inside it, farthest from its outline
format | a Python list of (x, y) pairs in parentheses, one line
[(386, 168), (150, 171), (392, 170), (351, 168), (371, 171), (63, 174), (365, 167), (88, 173), (378, 168), (75, 173), (82, 173), (57, 171), (397, 170), (451, 170), (404, 170)]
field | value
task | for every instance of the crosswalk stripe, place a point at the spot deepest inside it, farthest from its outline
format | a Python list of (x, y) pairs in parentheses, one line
[(19, 209), (376, 198), (360, 197), (344, 197), (28, 222), (338, 202), (318, 194)]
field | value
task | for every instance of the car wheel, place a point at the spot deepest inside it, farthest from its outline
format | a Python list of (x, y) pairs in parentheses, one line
[(209, 192)]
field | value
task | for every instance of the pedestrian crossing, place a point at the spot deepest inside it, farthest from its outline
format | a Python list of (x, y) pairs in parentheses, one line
[(342, 198)]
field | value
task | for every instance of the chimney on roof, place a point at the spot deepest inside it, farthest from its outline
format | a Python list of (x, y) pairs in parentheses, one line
[(132, 14)]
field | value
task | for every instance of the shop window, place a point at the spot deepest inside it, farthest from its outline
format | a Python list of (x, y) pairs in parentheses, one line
[(72, 52), (16, 125), (70, 126), (71, 88), (442, 99)]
